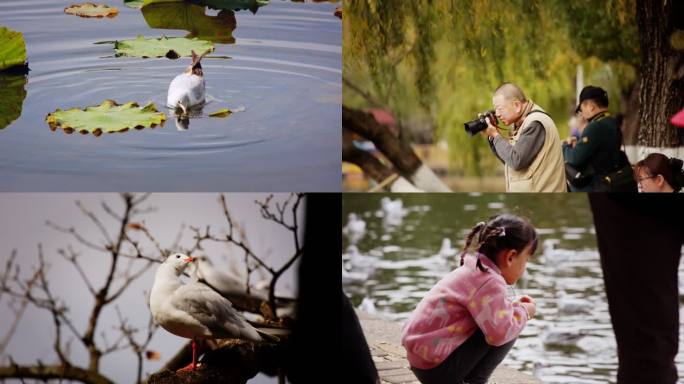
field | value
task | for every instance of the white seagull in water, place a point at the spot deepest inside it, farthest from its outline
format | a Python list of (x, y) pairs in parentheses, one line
[(187, 89), (355, 228), (193, 310)]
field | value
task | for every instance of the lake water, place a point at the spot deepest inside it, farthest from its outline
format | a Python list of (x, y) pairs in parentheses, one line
[(569, 341), (284, 68)]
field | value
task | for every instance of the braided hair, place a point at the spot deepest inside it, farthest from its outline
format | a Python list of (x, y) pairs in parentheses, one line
[(499, 232)]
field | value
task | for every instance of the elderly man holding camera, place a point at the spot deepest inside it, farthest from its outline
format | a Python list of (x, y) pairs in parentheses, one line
[(532, 154)]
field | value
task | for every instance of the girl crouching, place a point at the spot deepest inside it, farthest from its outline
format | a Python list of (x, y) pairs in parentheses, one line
[(465, 325)]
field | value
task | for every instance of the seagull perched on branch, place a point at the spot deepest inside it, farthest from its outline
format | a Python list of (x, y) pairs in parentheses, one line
[(195, 311)]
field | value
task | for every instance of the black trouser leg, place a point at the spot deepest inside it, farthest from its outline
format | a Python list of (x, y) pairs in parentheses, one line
[(640, 246), (356, 357), (472, 362)]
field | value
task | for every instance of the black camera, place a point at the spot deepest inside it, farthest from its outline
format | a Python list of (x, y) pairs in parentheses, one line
[(473, 127)]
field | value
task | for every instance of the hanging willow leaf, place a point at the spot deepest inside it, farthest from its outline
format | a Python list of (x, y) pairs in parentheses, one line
[(171, 47), (107, 117), (92, 10)]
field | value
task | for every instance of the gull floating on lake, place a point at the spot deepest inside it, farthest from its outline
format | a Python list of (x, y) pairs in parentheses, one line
[(392, 212), (355, 228), (187, 89), (447, 252), (554, 256), (570, 305), (193, 310), (392, 207)]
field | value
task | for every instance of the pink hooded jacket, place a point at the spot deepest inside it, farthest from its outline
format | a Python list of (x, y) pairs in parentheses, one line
[(464, 300)]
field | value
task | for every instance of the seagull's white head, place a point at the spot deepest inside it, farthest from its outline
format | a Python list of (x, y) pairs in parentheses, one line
[(178, 262)]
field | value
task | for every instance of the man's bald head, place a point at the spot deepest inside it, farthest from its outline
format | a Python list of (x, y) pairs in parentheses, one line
[(510, 92)]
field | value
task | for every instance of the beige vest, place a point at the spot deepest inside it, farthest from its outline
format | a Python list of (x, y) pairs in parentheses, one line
[(547, 172)]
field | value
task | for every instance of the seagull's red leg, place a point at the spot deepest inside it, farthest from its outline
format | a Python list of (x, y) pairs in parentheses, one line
[(193, 365)]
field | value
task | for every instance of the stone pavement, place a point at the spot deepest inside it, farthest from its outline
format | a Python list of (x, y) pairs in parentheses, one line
[(384, 340)]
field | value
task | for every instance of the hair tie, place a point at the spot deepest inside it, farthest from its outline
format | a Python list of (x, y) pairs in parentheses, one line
[(503, 232)]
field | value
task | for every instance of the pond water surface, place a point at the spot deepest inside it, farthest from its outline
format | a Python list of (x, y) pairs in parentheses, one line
[(283, 66), (570, 340)]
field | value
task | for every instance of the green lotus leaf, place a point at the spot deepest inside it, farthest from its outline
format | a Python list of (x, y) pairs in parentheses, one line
[(234, 5), (12, 95), (230, 5), (133, 3), (171, 47), (225, 112), (91, 10), (107, 117), (191, 18), (12, 48)]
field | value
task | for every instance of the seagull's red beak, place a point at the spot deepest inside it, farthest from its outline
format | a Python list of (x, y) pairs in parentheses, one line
[(189, 259)]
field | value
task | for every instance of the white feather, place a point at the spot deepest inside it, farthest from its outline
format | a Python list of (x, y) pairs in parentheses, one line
[(194, 310), (186, 89)]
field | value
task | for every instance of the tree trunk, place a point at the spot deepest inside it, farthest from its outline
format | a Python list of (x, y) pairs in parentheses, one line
[(630, 110), (661, 92), (370, 165), (400, 154)]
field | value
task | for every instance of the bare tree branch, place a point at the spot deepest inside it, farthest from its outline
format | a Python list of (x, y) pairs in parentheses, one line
[(110, 211), (111, 289), (95, 220), (236, 236), (22, 306), (138, 254), (137, 347), (128, 280), (72, 232), (101, 295), (73, 259), (47, 372), (58, 312)]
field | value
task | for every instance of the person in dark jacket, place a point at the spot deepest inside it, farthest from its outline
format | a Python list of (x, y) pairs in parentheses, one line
[(597, 151), (640, 239)]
